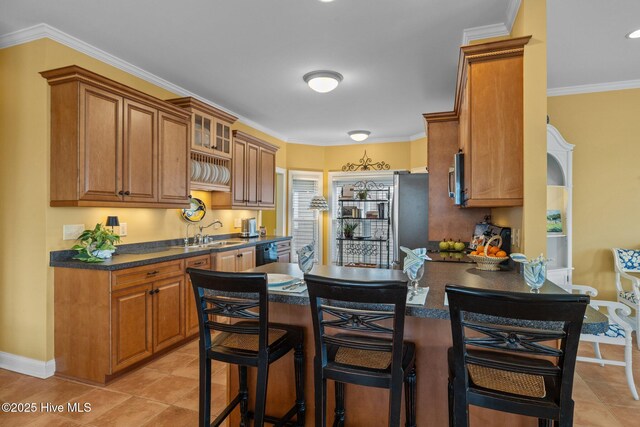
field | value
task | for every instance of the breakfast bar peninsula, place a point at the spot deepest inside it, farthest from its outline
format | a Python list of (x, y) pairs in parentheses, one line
[(427, 326)]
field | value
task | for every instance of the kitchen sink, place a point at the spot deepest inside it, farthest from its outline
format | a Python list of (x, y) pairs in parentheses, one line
[(214, 244)]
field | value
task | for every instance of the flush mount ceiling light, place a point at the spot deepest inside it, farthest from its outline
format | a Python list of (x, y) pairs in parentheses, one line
[(634, 34), (326, 1), (359, 135), (322, 81)]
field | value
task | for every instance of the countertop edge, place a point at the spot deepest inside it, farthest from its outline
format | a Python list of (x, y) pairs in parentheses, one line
[(153, 258)]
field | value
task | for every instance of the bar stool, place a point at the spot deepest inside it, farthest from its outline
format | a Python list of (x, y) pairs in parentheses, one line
[(514, 374), (383, 361), (252, 341)]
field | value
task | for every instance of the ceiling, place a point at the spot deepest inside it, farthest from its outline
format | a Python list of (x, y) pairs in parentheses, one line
[(398, 58), (586, 44)]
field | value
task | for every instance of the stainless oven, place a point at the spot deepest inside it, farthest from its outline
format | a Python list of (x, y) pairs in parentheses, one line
[(456, 179)]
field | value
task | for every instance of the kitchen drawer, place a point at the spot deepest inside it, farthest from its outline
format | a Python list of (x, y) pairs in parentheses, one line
[(137, 275), (203, 262), (284, 246)]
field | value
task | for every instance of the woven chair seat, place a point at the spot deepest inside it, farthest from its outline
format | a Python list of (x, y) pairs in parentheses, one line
[(363, 358), (249, 342), (507, 381)]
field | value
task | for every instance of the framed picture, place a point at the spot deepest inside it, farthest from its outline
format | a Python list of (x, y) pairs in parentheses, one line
[(554, 221)]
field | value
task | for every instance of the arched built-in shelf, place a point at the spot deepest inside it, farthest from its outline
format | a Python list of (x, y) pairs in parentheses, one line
[(559, 202)]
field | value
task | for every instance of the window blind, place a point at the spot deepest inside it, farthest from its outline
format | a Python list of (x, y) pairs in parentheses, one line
[(303, 220)]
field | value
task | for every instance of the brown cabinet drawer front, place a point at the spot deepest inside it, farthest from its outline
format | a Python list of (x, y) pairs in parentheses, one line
[(203, 262), (138, 275), (283, 246)]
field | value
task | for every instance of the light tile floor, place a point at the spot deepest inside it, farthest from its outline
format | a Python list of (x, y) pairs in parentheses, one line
[(165, 393)]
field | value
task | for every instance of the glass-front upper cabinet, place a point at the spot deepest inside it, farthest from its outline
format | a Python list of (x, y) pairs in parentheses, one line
[(211, 127)]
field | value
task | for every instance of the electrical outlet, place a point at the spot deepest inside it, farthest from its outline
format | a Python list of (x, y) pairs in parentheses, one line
[(237, 222), (516, 237), (72, 231), (123, 229)]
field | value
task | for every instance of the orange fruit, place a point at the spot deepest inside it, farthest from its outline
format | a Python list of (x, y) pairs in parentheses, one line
[(480, 248), (491, 255), (501, 254), (474, 253), (493, 249)]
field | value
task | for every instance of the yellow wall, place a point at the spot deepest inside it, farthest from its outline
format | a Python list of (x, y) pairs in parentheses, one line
[(606, 178), (531, 217), (29, 228)]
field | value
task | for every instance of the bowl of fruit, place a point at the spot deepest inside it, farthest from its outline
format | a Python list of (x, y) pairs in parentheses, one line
[(489, 256)]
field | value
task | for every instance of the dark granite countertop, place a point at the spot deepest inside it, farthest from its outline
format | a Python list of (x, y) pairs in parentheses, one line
[(436, 276), (138, 254)]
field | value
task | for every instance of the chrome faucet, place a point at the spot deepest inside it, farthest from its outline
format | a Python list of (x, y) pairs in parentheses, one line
[(204, 239), (215, 221)]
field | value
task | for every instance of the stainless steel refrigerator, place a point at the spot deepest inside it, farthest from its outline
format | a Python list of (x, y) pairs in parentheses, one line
[(409, 213)]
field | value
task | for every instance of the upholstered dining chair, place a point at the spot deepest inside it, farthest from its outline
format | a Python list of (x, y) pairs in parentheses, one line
[(619, 333), (627, 261)]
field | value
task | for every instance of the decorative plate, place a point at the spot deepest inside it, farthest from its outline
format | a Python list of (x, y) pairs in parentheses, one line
[(275, 279), (196, 212)]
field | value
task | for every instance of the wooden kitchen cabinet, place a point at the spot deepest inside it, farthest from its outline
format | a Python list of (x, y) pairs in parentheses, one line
[(284, 251), (211, 127), (234, 260), (159, 324), (192, 324), (491, 135), (253, 175), (112, 145), (168, 312), (489, 110), (106, 322), (131, 325)]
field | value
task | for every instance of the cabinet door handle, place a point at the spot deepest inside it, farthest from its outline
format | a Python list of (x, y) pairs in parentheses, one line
[(157, 291), (127, 193), (151, 292), (151, 273), (198, 263), (121, 193)]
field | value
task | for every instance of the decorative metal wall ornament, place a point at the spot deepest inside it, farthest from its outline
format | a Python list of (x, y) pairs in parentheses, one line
[(366, 163)]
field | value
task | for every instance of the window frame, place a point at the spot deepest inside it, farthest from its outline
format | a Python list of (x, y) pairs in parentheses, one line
[(319, 178)]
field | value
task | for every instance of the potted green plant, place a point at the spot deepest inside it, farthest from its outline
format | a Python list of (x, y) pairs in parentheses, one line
[(362, 194), (96, 245), (348, 229)]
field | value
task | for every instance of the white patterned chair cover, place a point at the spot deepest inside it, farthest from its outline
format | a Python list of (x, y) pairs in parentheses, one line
[(619, 333), (626, 262)]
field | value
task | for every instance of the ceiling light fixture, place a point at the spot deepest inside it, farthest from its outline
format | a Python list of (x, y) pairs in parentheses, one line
[(634, 34), (322, 81), (326, 1), (359, 135)]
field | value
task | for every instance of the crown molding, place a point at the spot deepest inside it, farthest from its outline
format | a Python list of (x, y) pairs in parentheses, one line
[(43, 30), (493, 30), (512, 12), (418, 136), (484, 32), (595, 87)]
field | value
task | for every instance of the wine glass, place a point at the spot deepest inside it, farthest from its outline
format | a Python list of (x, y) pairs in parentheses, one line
[(414, 277), (306, 256), (535, 273)]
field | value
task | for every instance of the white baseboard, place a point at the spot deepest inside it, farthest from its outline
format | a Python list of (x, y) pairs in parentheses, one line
[(27, 366)]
